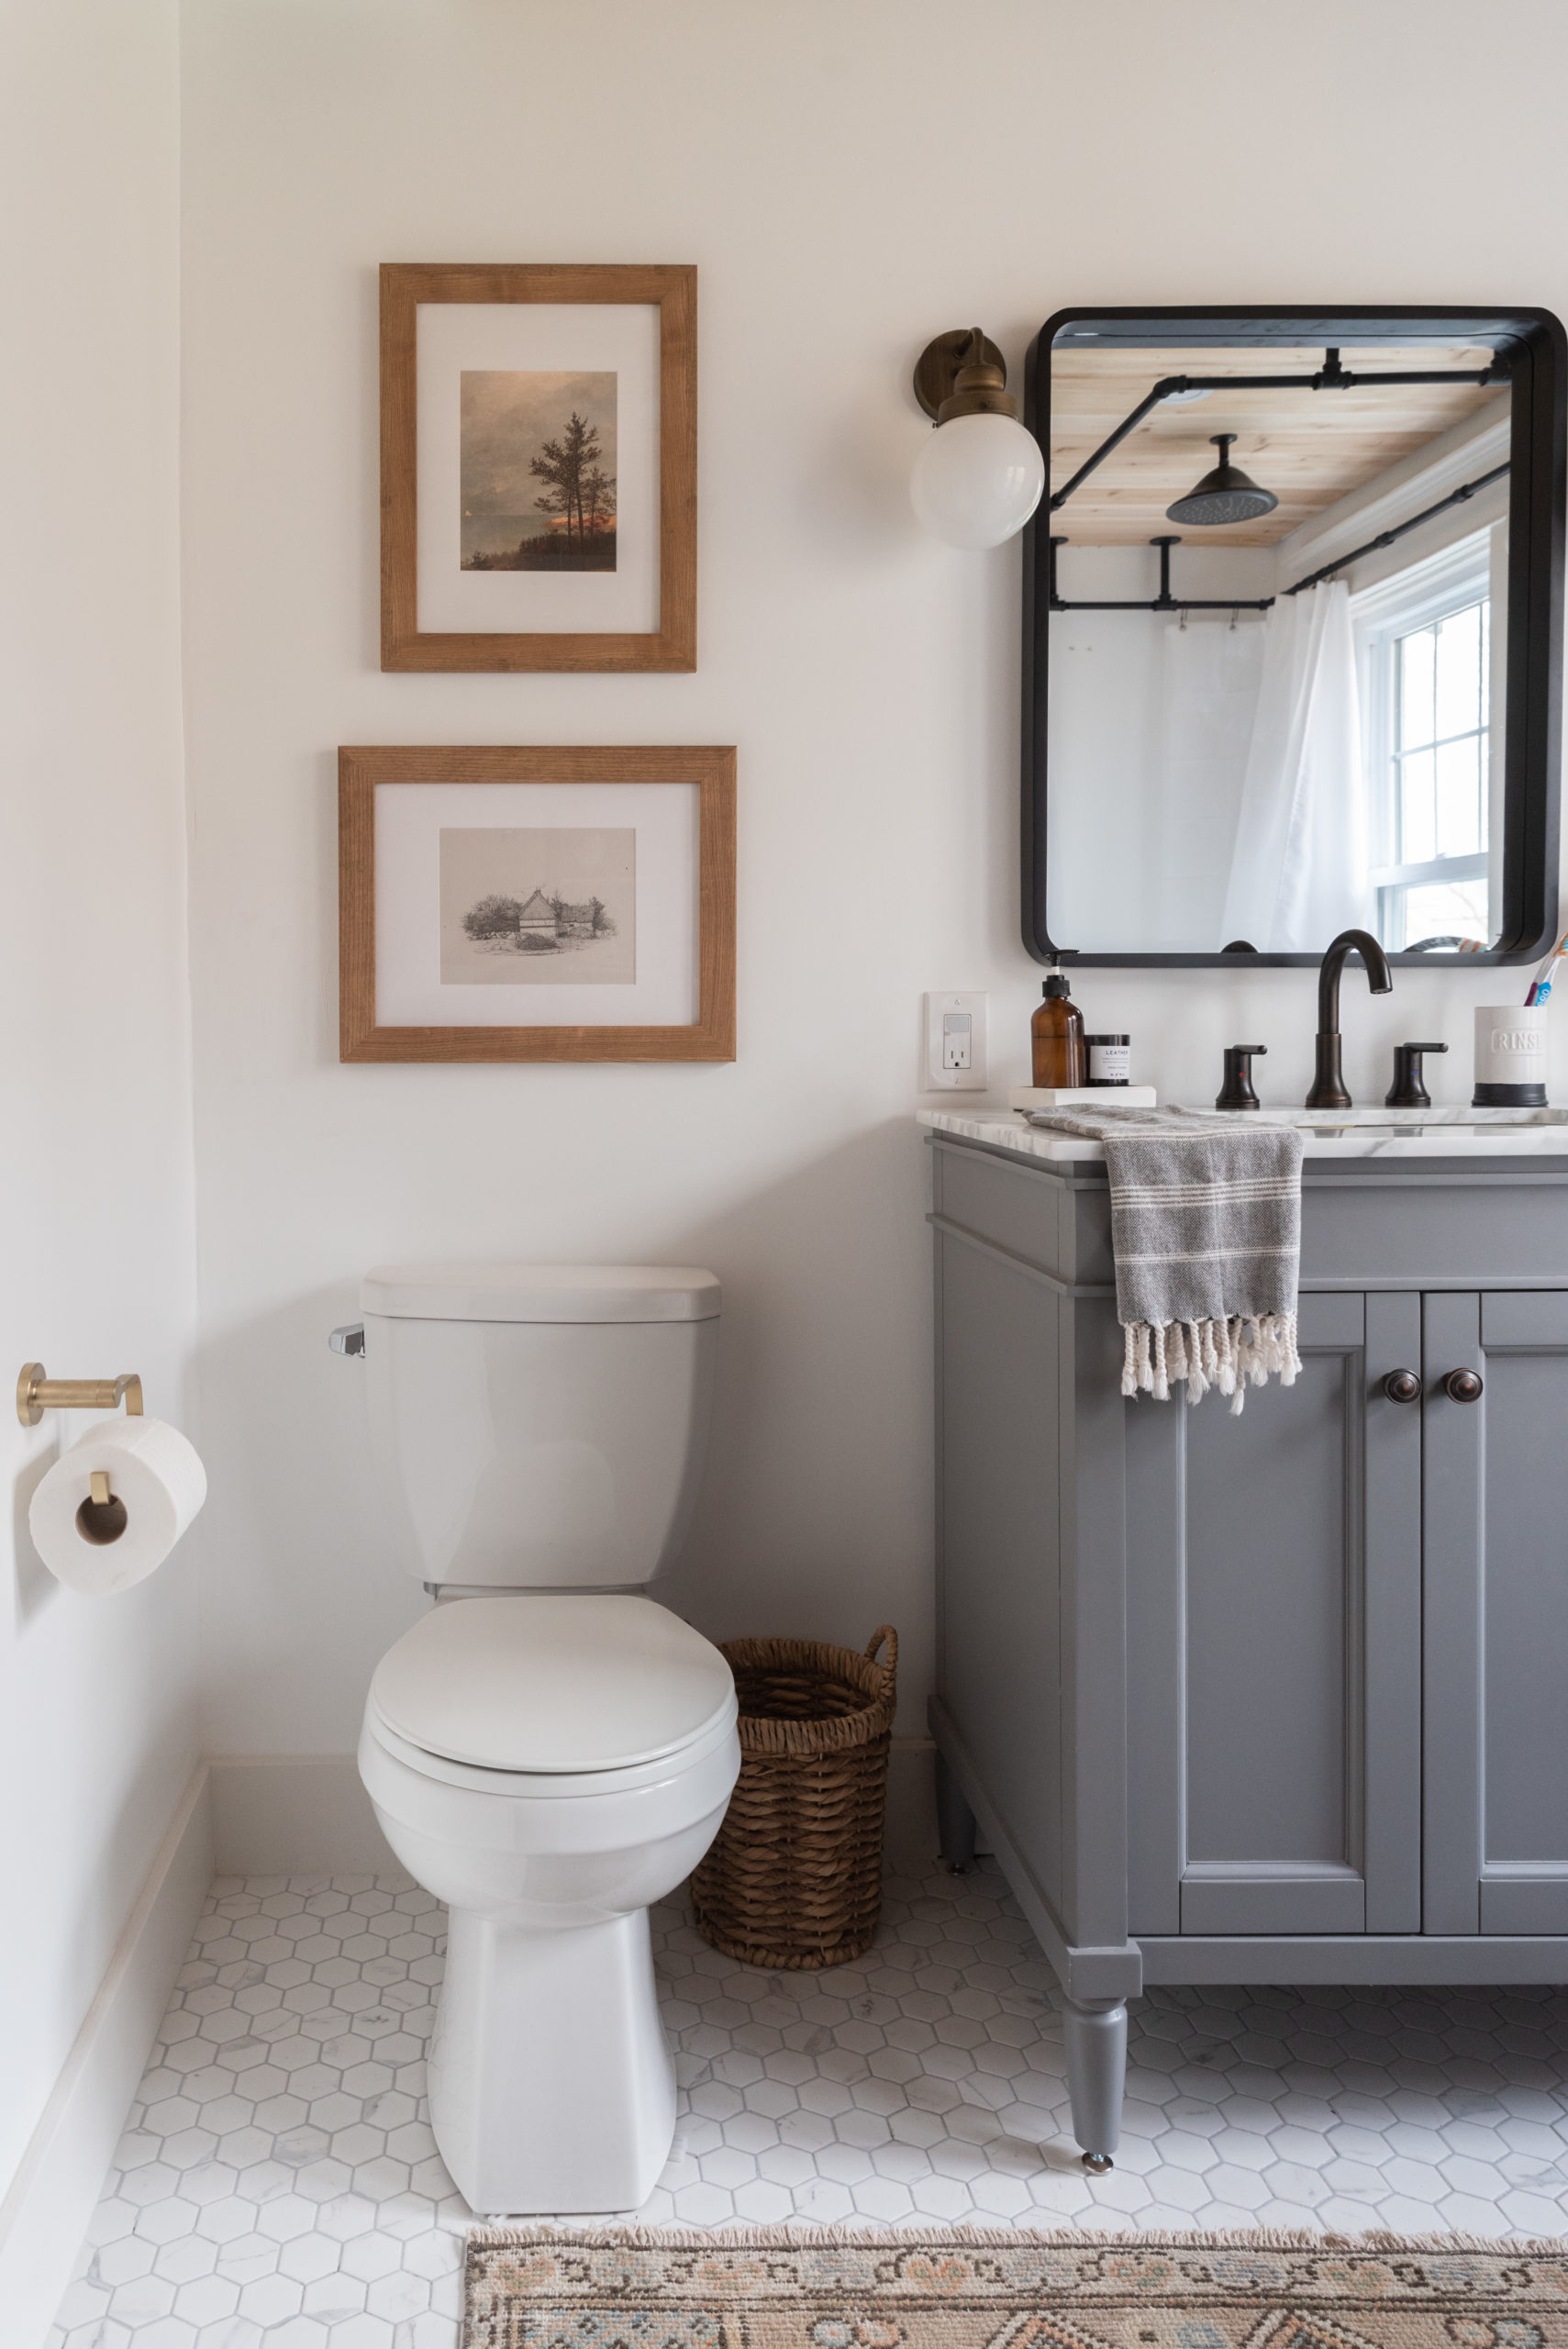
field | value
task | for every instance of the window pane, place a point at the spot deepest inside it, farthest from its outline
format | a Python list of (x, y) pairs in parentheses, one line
[(1459, 672), (1415, 669), (1486, 661), (1459, 797), (1418, 824), (1446, 910)]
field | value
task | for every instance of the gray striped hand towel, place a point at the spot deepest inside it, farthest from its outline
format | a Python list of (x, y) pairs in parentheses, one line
[(1205, 1226)]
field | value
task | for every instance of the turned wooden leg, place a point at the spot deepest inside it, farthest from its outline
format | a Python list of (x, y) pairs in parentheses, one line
[(955, 1822), (1096, 2077)]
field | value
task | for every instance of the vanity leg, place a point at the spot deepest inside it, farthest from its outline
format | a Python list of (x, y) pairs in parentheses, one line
[(1096, 2077), (955, 1822)]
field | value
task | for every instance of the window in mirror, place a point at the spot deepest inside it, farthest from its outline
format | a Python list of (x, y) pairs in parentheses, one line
[(1432, 759), (1269, 613)]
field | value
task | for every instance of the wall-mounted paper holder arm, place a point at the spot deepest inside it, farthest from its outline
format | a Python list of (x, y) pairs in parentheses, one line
[(35, 1393)]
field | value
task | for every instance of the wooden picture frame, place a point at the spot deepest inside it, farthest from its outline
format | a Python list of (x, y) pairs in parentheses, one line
[(667, 507), (684, 883)]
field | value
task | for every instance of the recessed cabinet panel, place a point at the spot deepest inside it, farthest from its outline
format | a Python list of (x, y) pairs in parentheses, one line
[(1272, 1579), (1271, 1558), (1275, 1645)]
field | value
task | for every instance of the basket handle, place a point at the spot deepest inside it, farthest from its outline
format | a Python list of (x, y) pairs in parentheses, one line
[(886, 1632)]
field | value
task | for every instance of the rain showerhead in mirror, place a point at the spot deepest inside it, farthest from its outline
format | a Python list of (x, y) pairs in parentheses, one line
[(1226, 494)]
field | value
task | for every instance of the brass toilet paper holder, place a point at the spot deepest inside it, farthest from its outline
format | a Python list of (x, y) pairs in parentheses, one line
[(35, 1393)]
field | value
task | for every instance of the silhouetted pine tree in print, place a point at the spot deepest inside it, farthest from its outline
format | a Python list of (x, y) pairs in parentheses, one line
[(599, 500), (563, 465)]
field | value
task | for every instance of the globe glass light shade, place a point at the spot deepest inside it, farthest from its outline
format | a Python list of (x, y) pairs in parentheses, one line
[(978, 480)]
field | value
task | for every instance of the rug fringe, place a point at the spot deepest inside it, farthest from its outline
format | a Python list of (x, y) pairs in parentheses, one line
[(796, 2233)]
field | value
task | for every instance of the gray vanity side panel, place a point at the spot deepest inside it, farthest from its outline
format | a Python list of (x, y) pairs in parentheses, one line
[(1156, 1642), (1001, 1595), (1393, 1721), (1007, 1202), (1451, 1488), (1094, 1624)]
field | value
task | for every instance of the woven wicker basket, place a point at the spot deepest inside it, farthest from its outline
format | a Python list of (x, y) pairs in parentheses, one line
[(793, 1877)]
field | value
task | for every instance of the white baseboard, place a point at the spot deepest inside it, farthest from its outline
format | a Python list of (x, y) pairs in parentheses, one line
[(49, 2201), (277, 1814)]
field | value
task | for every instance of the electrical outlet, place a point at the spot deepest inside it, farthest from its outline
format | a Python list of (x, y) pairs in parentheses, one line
[(955, 1043)]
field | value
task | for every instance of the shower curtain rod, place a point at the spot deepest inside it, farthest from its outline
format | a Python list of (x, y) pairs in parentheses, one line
[(1386, 538), (1166, 602), (1330, 377)]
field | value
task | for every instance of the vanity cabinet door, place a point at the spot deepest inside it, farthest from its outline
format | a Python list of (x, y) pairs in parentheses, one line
[(1497, 1621), (1275, 1642)]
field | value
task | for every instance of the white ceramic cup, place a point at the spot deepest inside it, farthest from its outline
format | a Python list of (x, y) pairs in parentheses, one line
[(1510, 1055)]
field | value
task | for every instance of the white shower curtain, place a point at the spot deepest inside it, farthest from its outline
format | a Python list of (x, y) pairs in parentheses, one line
[(1300, 871)]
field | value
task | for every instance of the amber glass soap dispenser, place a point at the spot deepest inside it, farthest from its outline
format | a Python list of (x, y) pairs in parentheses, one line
[(1056, 1035)]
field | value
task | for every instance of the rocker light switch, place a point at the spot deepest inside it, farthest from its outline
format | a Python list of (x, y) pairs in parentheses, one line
[(955, 1043)]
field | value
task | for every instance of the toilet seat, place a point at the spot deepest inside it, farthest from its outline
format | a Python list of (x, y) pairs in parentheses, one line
[(542, 1686), (547, 1785)]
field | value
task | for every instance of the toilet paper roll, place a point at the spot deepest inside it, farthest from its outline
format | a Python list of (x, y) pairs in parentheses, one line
[(156, 1484)]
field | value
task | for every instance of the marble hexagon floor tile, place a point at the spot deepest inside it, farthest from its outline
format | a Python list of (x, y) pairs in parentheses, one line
[(278, 2188)]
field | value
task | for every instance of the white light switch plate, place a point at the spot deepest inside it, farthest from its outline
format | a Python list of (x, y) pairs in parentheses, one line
[(955, 1059)]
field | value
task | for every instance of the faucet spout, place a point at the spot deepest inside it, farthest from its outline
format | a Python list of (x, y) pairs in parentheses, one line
[(1328, 1085)]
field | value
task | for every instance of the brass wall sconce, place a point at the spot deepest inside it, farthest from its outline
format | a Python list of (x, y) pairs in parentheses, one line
[(35, 1393), (981, 475)]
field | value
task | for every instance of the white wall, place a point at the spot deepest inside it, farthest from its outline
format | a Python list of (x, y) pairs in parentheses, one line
[(850, 181), (97, 1711)]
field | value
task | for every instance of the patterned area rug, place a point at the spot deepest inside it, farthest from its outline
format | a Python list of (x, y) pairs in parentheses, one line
[(791, 2288)]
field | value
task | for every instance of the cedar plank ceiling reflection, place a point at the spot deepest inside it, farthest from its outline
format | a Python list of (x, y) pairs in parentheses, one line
[(1308, 447)]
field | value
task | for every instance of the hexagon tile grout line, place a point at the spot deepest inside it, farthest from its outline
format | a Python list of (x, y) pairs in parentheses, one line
[(278, 2186)]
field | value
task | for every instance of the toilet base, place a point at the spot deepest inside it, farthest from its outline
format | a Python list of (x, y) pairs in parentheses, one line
[(551, 2085)]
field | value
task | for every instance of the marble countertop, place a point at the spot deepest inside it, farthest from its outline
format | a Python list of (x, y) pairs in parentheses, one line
[(1443, 1132)]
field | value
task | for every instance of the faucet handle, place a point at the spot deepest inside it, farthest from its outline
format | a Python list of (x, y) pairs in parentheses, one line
[(1237, 1091), (1409, 1089)]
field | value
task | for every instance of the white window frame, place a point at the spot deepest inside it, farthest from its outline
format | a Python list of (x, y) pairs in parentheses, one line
[(1412, 599)]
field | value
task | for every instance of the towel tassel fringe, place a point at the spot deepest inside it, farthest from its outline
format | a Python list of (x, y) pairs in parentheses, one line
[(1245, 1350)]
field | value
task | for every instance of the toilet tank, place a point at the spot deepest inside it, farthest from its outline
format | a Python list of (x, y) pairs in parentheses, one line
[(539, 1427)]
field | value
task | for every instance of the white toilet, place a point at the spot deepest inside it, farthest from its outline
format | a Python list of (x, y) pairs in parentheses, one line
[(547, 1751)]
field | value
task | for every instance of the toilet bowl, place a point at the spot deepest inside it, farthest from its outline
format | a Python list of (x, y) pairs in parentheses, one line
[(548, 1750)]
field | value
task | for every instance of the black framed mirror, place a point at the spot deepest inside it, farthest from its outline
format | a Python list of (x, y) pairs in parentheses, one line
[(1293, 627)]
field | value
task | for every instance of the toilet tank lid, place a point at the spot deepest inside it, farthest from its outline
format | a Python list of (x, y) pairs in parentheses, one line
[(541, 1293)]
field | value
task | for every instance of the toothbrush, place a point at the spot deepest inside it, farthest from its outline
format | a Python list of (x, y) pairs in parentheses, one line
[(1541, 987)]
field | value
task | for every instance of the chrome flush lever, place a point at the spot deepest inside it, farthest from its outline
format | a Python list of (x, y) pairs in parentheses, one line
[(349, 1340)]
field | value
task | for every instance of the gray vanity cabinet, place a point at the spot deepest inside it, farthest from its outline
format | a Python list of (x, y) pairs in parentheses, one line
[(1275, 1697)]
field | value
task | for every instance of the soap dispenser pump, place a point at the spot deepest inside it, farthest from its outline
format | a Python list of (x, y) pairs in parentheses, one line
[(1056, 1038)]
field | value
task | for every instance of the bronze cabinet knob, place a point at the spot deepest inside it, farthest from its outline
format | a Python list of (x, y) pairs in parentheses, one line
[(1465, 1385), (1402, 1387)]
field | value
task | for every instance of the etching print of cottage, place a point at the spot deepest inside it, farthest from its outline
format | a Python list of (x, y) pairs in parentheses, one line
[(536, 918)]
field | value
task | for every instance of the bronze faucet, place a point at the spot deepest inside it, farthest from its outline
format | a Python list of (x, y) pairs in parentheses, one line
[(1328, 1085)]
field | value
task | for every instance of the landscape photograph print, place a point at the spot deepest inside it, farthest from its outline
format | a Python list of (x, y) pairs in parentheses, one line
[(538, 470), (528, 905)]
